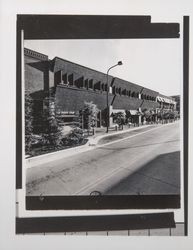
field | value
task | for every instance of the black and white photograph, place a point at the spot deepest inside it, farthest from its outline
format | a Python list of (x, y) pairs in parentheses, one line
[(102, 116), (100, 124), (96, 99)]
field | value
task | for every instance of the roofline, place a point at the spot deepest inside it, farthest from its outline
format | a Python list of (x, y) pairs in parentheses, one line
[(57, 57), (35, 54)]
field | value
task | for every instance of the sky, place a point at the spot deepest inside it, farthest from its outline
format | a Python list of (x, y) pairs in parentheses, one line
[(152, 63)]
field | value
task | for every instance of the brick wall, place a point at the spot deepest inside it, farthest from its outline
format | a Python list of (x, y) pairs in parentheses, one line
[(149, 105), (39, 76), (34, 74), (72, 99), (126, 103), (81, 71)]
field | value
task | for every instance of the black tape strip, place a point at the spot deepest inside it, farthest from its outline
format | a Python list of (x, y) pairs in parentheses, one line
[(94, 27), (36, 27), (18, 111), (95, 223), (102, 202), (185, 113)]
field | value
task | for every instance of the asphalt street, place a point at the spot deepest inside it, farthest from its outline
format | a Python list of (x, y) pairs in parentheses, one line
[(146, 161)]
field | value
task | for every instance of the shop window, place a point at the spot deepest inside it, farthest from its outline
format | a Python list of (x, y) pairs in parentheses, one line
[(124, 92), (133, 94), (86, 83), (64, 79), (57, 77), (70, 79), (97, 86), (79, 82), (90, 84)]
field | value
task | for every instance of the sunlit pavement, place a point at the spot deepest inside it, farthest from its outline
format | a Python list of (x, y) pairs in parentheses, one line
[(143, 162)]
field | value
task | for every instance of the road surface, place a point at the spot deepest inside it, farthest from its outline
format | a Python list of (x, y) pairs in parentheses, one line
[(146, 161)]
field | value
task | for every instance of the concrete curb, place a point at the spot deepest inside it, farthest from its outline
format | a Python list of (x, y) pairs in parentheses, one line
[(90, 145), (94, 141), (45, 158)]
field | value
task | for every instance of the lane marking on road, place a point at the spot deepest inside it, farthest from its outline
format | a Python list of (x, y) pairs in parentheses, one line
[(107, 176)]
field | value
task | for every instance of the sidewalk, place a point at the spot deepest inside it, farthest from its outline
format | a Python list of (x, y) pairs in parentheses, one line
[(112, 134), (101, 137)]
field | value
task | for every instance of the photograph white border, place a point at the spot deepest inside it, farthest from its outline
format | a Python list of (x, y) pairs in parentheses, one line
[(8, 11)]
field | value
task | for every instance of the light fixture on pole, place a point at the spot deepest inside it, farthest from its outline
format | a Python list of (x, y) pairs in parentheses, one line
[(107, 115)]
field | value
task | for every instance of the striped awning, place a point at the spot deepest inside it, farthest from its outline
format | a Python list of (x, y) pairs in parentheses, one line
[(166, 100)]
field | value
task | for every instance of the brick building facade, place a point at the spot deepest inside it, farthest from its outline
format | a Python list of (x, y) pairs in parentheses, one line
[(71, 84), (177, 100)]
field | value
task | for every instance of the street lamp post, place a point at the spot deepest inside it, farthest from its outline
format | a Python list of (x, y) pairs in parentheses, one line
[(107, 116)]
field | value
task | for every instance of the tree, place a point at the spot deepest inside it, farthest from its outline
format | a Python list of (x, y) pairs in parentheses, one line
[(28, 122), (148, 115), (127, 116), (169, 115), (75, 137), (119, 118), (88, 115), (52, 131)]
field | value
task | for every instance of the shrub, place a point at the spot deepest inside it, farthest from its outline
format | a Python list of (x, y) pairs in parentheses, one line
[(52, 129), (119, 118), (75, 137), (53, 133), (38, 140), (28, 122), (88, 115)]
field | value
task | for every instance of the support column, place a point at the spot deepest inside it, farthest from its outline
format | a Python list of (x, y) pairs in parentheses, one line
[(110, 118), (156, 115), (100, 119), (139, 119)]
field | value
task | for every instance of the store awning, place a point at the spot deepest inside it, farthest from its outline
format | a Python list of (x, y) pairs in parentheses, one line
[(134, 112)]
